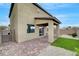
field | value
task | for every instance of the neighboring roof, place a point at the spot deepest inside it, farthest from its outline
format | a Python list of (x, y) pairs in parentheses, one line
[(54, 18)]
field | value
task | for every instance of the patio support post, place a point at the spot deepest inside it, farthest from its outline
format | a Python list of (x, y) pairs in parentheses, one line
[(45, 29), (37, 30), (51, 31), (57, 32)]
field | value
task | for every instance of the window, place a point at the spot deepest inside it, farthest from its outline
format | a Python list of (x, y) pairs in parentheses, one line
[(31, 28)]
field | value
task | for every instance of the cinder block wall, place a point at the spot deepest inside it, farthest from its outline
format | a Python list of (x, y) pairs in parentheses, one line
[(78, 33), (0, 38)]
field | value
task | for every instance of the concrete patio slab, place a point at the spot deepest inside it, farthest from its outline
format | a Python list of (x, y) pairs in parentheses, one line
[(56, 51)]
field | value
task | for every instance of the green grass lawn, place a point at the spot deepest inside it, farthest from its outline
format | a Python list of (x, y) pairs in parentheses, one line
[(67, 43)]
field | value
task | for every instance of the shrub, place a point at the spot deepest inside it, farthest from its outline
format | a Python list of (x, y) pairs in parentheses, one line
[(74, 34)]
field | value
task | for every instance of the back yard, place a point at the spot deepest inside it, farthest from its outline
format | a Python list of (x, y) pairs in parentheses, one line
[(67, 43)]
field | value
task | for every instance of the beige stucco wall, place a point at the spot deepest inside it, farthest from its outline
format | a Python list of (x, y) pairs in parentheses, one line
[(24, 14), (14, 23)]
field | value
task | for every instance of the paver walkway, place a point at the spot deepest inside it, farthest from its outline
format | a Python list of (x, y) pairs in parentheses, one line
[(56, 51), (28, 48)]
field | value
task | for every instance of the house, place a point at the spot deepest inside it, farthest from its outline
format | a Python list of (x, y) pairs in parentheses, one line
[(30, 20)]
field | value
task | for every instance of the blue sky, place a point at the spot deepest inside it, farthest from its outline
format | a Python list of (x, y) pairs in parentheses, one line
[(4, 11), (67, 13)]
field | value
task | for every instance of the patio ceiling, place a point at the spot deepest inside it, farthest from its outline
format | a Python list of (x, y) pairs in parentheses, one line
[(41, 21), (46, 18)]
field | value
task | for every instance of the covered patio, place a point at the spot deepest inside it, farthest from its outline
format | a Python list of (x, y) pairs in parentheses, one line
[(49, 25)]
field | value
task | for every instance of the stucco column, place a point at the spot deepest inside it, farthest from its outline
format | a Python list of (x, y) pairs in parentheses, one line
[(37, 30), (57, 30), (50, 31), (45, 30)]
